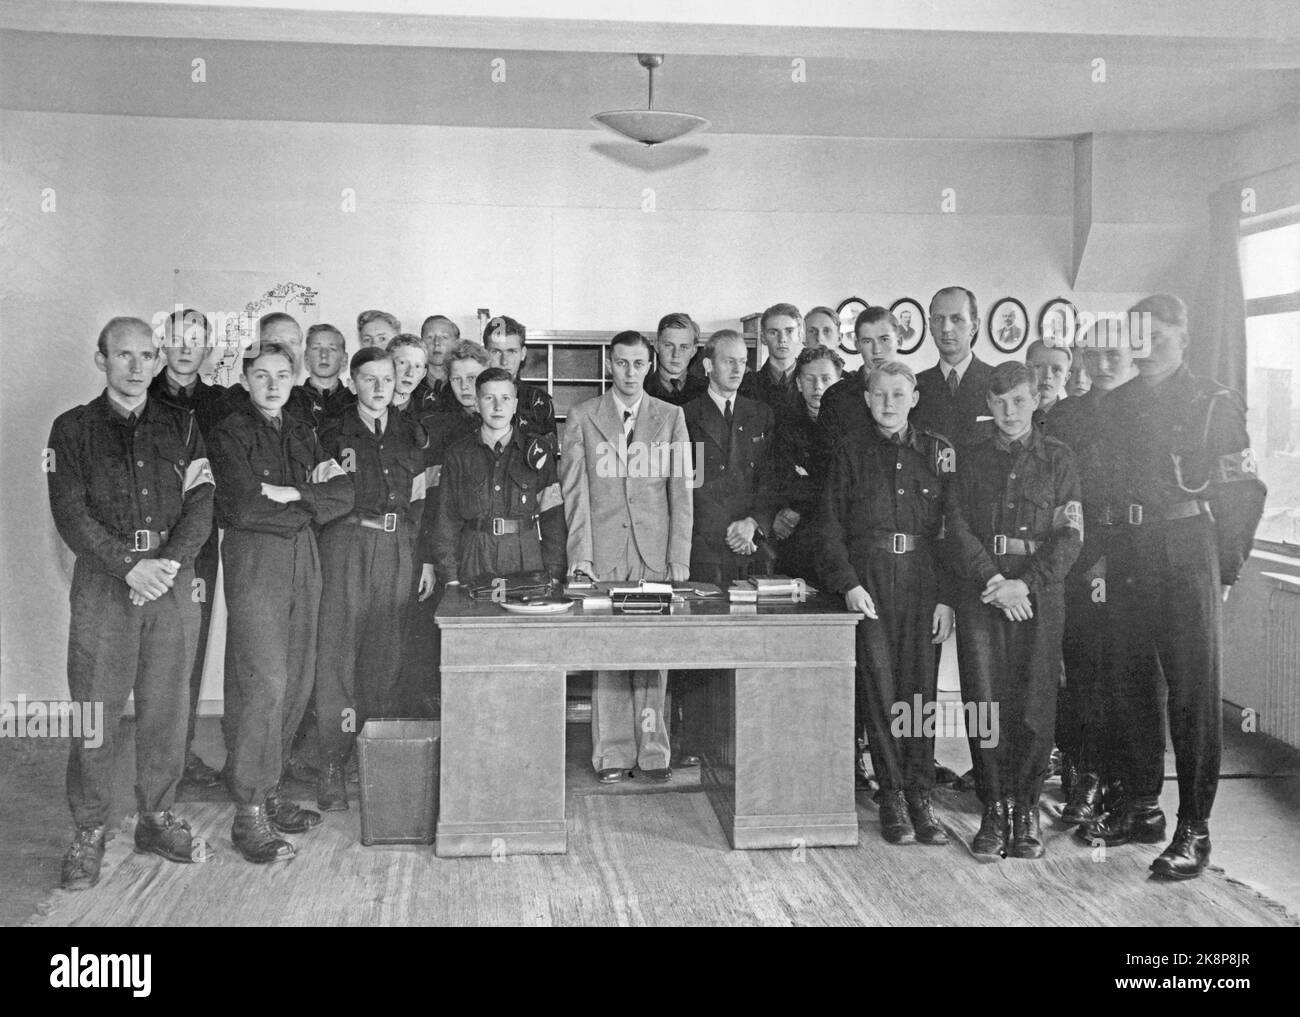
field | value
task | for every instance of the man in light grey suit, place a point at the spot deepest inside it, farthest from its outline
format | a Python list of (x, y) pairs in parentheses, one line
[(625, 469)]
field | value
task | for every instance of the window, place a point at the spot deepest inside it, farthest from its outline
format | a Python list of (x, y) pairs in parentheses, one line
[(1270, 272)]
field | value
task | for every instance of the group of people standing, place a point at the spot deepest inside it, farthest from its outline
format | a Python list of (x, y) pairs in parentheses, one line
[(956, 498)]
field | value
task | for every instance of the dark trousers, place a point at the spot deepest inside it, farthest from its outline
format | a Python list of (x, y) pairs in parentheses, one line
[(895, 666), (115, 648), (1085, 650), (419, 685), (273, 587), (1015, 667), (1169, 611), (205, 570), (365, 590)]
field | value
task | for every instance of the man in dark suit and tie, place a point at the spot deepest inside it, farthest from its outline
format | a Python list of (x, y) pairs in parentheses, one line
[(952, 392)]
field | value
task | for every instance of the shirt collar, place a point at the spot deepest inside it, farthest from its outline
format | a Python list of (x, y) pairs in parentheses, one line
[(324, 391), (720, 401), (369, 418), (623, 407), (175, 388), (960, 368), (119, 411)]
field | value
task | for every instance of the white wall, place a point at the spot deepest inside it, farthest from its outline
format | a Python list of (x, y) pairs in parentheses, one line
[(547, 226)]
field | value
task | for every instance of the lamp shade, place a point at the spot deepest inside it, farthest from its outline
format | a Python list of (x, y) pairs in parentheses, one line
[(650, 126)]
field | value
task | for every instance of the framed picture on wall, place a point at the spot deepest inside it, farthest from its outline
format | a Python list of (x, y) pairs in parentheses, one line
[(1056, 322), (848, 310), (911, 324), (1008, 325)]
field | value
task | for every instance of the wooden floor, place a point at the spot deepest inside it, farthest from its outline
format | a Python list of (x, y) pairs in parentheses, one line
[(640, 854)]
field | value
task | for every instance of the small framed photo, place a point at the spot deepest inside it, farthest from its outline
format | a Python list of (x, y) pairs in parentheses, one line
[(1008, 325), (1057, 321), (848, 310), (911, 324)]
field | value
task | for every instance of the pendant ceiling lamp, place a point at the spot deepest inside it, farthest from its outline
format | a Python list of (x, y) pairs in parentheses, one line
[(650, 126)]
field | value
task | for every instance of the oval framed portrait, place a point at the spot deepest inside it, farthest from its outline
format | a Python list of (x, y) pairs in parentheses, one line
[(1008, 325), (848, 310), (1057, 322), (911, 324)]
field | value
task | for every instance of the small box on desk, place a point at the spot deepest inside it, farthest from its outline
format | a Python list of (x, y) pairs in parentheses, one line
[(398, 760)]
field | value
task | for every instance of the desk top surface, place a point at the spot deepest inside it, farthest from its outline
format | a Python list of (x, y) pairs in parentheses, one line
[(457, 607)]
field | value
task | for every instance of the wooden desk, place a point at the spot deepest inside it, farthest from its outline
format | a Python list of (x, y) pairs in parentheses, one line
[(778, 763)]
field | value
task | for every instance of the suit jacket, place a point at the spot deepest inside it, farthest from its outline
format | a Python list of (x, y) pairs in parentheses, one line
[(735, 485), (606, 499), (953, 417)]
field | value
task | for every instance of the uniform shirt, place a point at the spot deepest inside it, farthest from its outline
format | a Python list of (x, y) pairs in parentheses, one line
[(777, 391), (844, 409), (388, 472), (1181, 440), (482, 483), (442, 430), (800, 456), (316, 406), (248, 450), (878, 484), (111, 475), (688, 387), (535, 413), (209, 402), (438, 398), (1023, 490)]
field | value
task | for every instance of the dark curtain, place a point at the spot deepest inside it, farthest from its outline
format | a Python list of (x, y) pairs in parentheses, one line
[(1218, 330)]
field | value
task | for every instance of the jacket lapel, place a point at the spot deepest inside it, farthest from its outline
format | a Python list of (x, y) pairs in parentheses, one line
[(607, 418)]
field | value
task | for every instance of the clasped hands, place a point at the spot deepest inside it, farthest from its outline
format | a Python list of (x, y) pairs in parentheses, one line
[(1010, 596), (150, 578), (740, 536)]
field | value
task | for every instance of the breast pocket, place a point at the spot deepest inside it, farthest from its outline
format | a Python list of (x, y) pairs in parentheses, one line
[(1036, 504), (523, 490)]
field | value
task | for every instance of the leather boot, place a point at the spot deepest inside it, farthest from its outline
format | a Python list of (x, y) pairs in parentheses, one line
[(332, 790), (287, 816), (161, 833), (992, 836), (1084, 805), (921, 810), (82, 863), (1139, 820), (1069, 778), (895, 824), (1187, 854), (254, 838), (1026, 835)]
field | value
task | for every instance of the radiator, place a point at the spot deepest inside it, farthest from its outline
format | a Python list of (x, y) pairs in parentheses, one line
[(1279, 714)]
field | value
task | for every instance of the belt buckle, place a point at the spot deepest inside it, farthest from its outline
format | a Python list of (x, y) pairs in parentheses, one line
[(498, 526), (390, 522), (900, 543), (999, 543), (1135, 515), (139, 536)]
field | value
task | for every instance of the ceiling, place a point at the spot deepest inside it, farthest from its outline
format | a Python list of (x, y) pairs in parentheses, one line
[(816, 81)]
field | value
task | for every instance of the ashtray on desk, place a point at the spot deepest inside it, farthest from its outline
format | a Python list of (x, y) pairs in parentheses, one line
[(537, 605)]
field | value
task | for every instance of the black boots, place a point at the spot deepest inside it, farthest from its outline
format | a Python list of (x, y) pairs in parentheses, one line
[(332, 789), (895, 824), (1187, 854), (161, 833), (82, 863), (1026, 835), (924, 823), (1136, 819), (254, 838), (1084, 804), (991, 840), (287, 816)]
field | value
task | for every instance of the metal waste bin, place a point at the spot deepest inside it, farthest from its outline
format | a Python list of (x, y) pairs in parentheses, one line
[(398, 760)]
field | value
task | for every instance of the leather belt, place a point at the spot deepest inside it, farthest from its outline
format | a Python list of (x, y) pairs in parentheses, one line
[(896, 543), (1139, 515), (498, 527), (387, 522), (147, 540), (1001, 544)]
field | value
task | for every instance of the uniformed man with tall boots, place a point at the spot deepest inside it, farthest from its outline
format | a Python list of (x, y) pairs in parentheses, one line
[(369, 561), (1014, 529), (881, 522), (131, 494), (186, 342), (273, 481), (1189, 495)]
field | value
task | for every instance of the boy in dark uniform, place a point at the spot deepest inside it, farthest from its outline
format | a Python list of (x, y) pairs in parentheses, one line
[(844, 406), (504, 339), (273, 481), (410, 360), (186, 338), (323, 394), (799, 458), (1188, 494), (499, 511), (369, 560), (1014, 529), (675, 342), (781, 329), (131, 495), (881, 521)]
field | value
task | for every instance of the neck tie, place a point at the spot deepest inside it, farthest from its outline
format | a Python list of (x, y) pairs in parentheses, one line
[(953, 382), (726, 419), (275, 422), (379, 429), (677, 385), (1015, 448), (628, 423)]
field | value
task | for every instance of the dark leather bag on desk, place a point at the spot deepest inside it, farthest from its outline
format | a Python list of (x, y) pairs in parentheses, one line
[(513, 587)]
